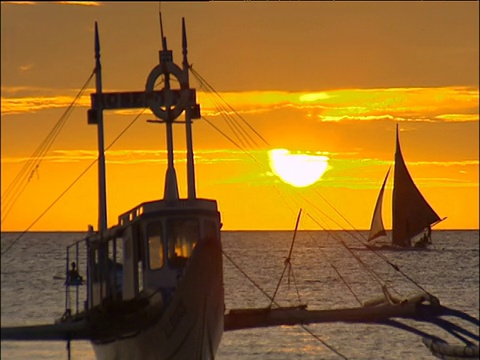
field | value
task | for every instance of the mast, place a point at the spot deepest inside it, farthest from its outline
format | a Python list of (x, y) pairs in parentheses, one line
[(168, 104), (102, 193), (171, 187), (188, 121)]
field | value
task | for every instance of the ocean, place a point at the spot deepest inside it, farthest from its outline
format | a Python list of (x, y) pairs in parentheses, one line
[(321, 270)]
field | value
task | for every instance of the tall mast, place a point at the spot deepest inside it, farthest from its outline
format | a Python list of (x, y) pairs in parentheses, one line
[(171, 187), (102, 196), (188, 120), (168, 104)]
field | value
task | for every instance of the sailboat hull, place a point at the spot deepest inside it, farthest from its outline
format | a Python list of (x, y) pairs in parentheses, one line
[(388, 247), (190, 327)]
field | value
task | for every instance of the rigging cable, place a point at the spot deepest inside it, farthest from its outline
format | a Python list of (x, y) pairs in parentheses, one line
[(304, 327), (202, 80), (232, 124), (231, 260), (19, 184), (224, 112), (287, 263), (381, 256), (204, 83), (71, 185)]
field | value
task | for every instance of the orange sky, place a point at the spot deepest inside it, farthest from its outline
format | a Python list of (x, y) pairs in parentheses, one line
[(328, 78)]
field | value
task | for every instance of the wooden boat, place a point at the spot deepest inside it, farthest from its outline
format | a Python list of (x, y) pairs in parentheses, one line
[(411, 213), (154, 281)]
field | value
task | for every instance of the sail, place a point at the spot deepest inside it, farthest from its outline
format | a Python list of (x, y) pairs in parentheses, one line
[(376, 228), (411, 212)]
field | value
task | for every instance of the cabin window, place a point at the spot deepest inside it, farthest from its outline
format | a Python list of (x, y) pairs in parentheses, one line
[(156, 258), (182, 239)]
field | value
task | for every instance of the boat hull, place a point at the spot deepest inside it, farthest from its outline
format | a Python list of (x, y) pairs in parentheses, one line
[(190, 327), (396, 248)]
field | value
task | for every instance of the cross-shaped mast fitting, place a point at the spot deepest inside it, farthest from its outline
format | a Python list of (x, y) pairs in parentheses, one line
[(166, 104)]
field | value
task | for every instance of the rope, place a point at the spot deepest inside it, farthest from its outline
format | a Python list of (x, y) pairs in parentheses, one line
[(372, 273), (304, 327), (202, 80), (249, 278), (18, 185), (357, 236), (274, 302), (290, 270), (222, 110), (287, 260), (71, 185), (381, 256)]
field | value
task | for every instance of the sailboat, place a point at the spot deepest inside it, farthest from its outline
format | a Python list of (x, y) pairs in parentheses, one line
[(411, 213)]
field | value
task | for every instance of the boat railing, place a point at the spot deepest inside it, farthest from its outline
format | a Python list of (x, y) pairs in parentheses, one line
[(74, 285)]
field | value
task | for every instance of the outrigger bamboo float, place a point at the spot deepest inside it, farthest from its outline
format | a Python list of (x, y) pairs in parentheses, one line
[(154, 281)]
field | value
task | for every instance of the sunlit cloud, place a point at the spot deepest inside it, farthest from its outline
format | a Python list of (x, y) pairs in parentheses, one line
[(20, 105), (445, 163), (443, 104), (9, 91), (20, 2), (333, 118), (458, 117), (81, 3), (131, 157)]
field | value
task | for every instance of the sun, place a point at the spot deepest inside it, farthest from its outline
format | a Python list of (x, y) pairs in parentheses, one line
[(298, 169)]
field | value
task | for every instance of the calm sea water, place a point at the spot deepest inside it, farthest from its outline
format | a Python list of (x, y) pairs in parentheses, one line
[(31, 295)]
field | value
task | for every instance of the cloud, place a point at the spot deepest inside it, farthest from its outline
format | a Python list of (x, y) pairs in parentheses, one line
[(20, 105), (458, 117), (131, 157), (441, 104), (20, 2), (81, 3), (446, 163)]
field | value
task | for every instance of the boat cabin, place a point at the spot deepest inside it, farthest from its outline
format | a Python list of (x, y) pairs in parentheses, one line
[(147, 252)]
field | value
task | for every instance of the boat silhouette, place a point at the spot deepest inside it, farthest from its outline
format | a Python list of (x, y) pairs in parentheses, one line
[(412, 215)]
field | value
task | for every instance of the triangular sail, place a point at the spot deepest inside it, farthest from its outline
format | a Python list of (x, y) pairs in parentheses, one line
[(411, 212), (376, 228)]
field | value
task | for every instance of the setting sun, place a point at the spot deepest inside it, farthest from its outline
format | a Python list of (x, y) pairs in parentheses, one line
[(299, 170)]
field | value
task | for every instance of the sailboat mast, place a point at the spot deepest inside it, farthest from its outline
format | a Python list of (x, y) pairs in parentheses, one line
[(102, 196)]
